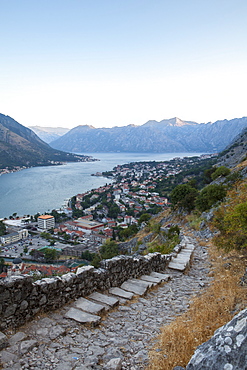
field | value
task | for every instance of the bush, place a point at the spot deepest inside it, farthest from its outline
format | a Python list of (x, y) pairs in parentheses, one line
[(184, 196), (210, 195), (232, 224), (220, 171)]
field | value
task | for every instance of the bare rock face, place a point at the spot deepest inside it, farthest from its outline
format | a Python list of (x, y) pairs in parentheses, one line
[(226, 350)]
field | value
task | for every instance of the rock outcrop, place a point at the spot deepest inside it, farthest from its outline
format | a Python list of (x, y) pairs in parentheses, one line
[(226, 350)]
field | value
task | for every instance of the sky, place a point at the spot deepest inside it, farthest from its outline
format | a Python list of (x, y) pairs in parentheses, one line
[(106, 63)]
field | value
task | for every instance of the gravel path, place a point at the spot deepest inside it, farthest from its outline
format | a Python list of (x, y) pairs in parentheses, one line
[(123, 338)]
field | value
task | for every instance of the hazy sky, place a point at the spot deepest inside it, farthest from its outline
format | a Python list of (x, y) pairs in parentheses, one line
[(119, 62)]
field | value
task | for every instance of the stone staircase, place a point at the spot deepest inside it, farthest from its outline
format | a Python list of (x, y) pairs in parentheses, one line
[(90, 310)]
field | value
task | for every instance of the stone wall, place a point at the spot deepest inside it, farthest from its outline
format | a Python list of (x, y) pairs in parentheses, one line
[(21, 298)]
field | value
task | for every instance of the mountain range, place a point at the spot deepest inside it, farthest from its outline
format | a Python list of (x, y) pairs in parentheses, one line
[(167, 136), (49, 134), (20, 146)]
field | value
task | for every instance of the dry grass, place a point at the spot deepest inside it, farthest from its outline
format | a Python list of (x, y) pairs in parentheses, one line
[(220, 302)]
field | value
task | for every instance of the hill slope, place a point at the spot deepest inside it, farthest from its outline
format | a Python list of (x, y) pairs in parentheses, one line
[(172, 135), (236, 152), (19, 146)]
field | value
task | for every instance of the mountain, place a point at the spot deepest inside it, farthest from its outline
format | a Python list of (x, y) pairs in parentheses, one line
[(235, 153), (48, 134), (20, 146), (169, 135)]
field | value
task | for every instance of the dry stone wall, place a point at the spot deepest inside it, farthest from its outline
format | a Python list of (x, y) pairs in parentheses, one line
[(21, 298)]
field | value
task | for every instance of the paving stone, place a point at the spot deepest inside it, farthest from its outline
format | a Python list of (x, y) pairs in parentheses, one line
[(7, 356), (56, 331), (135, 288), (27, 345), (164, 277), (82, 317), (114, 364), (104, 299), (121, 293), (151, 279), (3, 340), (88, 306), (149, 284)]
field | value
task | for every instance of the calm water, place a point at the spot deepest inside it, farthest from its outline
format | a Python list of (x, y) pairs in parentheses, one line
[(42, 189)]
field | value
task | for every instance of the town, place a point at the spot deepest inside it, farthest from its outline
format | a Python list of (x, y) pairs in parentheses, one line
[(115, 211)]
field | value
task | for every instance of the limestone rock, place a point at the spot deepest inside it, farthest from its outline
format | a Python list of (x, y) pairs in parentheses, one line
[(114, 364), (227, 349)]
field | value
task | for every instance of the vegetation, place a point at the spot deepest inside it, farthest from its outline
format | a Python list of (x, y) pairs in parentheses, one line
[(184, 196), (164, 241), (210, 195), (108, 250), (2, 228), (220, 171), (50, 254), (231, 219)]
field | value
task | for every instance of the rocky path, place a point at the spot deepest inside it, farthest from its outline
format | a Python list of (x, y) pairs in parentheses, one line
[(122, 337)]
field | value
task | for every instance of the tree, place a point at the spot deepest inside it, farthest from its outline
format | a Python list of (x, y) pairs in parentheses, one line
[(109, 249), (144, 218), (2, 228), (210, 195), (220, 171), (87, 255), (50, 254), (184, 196)]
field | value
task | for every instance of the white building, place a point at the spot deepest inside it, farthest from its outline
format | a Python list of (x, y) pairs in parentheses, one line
[(46, 222)]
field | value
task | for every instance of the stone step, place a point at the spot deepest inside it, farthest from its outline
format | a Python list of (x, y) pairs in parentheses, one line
[(104, 299), (164, 277), (137, 289), (88, 306), (182, 260), (151, 279), (121, 293), (82, 317), (149, 284), (177, 266)]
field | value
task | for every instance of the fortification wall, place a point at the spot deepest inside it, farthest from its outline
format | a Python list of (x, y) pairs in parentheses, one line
[(21, 298)]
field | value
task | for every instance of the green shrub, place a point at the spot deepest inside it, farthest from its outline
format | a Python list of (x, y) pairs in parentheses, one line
[(220, 171), (209, 196), (184, 196)]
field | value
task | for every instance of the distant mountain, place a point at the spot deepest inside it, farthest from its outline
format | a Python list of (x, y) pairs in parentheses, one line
[(20, 146), (48, 134), (169, 135)]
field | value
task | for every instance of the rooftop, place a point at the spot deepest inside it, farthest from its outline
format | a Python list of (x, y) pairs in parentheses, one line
[(45, 217)]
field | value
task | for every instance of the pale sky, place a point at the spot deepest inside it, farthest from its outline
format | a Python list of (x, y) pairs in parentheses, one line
[(117, 62)]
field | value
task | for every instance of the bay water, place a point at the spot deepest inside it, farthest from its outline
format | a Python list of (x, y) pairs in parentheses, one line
[(41, 189)]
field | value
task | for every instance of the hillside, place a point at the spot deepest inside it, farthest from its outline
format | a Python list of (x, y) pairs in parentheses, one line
[(170, 135), (19, 146), (236, 152)]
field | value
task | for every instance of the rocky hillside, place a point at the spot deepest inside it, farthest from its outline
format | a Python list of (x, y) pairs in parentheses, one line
[(19, 146), (236, 152), (171, 135), (49, 134)]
